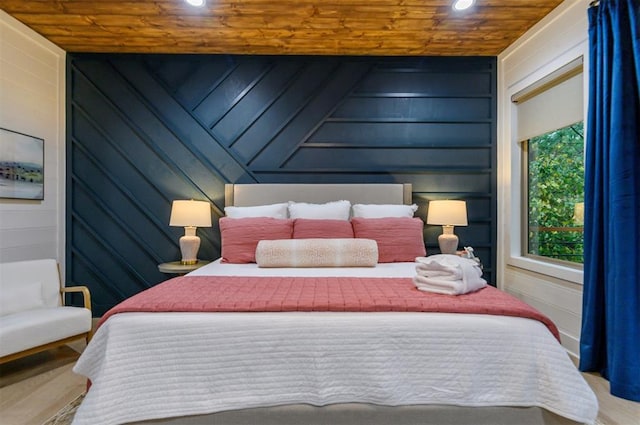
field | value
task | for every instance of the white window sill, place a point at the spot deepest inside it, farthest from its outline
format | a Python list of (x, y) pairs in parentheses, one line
[(550, 269)]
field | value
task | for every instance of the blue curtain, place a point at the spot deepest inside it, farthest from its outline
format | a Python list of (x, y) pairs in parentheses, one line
[(610, 340)]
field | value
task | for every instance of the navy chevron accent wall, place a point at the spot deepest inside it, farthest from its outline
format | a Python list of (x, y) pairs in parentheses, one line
[(146, 129)]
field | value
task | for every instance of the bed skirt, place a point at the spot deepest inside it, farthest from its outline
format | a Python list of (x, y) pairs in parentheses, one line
[(369, 414)]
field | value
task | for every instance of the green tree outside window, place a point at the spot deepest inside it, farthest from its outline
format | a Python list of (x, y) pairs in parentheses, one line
[(555, 194)]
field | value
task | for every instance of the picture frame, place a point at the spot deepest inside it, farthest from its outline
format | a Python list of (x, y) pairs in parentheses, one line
[(21, 166)]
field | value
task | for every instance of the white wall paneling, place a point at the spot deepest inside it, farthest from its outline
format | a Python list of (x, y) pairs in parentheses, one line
[(555, 290), (32, 101)]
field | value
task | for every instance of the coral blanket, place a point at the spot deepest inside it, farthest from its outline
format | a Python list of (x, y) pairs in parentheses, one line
[(280, 294)]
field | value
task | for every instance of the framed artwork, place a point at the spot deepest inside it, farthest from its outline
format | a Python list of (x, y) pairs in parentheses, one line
[(21, 165)]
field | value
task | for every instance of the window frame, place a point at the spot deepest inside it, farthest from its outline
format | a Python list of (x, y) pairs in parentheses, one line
[(517, 223)]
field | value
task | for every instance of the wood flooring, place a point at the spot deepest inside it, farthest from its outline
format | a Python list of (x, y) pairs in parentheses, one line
[(34, 388)]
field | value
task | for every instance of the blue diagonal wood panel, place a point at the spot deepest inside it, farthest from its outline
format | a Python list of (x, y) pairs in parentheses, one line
[(144, 130)]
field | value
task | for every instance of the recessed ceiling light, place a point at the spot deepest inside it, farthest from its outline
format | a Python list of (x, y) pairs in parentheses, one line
[(196, 3), (463, 4)]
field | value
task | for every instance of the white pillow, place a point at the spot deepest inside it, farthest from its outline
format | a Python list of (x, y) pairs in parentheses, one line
[(383, 210), (273, 211), (336, 210)]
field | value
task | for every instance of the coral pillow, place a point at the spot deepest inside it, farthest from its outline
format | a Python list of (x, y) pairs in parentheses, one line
[(240, 236), (400, 239), (317, 253), (306, 228)]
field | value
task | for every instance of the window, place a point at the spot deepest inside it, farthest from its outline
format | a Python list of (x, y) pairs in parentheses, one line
[(551, 133), (555, 192)]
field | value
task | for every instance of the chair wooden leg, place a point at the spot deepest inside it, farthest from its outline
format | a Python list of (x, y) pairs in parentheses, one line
[(44, 347)]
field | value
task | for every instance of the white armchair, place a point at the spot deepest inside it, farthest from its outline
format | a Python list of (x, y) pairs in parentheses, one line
[(33, 316)]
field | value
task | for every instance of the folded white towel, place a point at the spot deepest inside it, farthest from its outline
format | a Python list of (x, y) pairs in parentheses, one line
[(448, 274), (438, 270), (448, 287)]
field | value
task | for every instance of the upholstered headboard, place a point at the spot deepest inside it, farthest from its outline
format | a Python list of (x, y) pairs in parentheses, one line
[(244, 195)]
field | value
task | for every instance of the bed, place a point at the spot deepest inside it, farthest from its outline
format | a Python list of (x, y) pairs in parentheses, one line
[(284, 366)]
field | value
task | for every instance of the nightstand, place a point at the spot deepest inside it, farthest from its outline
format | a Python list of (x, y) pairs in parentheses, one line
[(176, 267)]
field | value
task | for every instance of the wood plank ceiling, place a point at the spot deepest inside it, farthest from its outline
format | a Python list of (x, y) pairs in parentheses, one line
[(281, 27)]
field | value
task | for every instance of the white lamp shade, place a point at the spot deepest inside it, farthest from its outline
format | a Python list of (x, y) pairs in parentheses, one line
[(447, 213), (190, 214)]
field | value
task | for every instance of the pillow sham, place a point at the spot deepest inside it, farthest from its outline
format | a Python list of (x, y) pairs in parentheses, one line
[(400, 239), (306, 228), (240, 236), (335, 210), (317, 253), (273, 210), (383, 210)]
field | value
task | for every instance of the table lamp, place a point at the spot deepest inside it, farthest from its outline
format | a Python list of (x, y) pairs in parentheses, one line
[(447, 213), (190, 215)]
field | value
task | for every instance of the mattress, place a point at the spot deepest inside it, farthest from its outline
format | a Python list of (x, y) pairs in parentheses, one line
[(160, 365)]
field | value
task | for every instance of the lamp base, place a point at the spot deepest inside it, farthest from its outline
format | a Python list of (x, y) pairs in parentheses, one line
[(188, 262), (447, 241), (189, 245)]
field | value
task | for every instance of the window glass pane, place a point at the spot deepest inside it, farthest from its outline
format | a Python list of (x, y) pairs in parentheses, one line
[(555, 182)]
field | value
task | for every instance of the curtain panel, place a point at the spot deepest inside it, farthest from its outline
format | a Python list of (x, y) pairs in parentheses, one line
[(610, 340)]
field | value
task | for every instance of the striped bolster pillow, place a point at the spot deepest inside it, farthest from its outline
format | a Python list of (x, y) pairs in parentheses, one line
[(317, 253)]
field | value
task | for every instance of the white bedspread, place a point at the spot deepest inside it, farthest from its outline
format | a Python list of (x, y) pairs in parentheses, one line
[(153, 365)]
